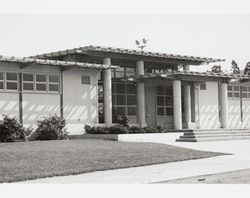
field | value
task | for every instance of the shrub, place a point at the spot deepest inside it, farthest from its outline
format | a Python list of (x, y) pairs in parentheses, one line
[(51, 128), (135, 129), (150, 130), (96, 129), (118, 129), (11, 130)]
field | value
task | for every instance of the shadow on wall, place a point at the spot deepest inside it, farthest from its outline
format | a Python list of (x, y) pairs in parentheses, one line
[(83, 109), (9, 107)]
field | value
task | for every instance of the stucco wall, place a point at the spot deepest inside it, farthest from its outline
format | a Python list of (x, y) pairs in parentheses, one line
[(234, 118), (208, 106), (80, 100), (9, 104), (35, 106)]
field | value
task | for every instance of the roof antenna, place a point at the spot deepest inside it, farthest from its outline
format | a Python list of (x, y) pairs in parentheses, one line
[(141, 44)]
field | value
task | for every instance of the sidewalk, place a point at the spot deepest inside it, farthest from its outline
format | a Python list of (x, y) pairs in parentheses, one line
[(164, 172)]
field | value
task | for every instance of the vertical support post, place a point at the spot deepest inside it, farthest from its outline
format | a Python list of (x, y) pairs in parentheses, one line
[(20, 98), (140, 96), (61, 95), (187, 101), (187, 105), (195, 105), (177, 104), (107, 83), (223, 105)]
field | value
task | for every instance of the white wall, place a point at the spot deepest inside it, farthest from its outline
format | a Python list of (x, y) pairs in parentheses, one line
[(35, 106), (209, 106), (9, 104), (80, 100)]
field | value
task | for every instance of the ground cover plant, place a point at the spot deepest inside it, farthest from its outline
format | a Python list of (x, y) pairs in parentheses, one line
[(38, 159)]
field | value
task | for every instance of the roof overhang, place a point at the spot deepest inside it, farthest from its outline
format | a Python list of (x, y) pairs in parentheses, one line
[(65, 64), (190, 77), (132, 55)]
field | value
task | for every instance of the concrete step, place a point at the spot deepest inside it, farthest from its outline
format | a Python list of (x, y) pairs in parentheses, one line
[(211, 139), (215, 135), (212, 135)]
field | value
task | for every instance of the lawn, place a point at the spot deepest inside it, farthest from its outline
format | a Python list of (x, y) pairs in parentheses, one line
[(31, 160)]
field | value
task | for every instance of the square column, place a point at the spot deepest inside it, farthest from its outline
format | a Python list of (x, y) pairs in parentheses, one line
[(107, 91), (187, 101), (177, 104), (187, 105), (223, 105), (140, 96), (195, 105)]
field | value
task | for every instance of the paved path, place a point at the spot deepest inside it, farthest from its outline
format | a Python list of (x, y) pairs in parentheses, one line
[(170, 171), (233, 177)]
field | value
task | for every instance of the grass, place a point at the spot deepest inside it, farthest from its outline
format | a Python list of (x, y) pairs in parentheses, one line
[(32, 160)]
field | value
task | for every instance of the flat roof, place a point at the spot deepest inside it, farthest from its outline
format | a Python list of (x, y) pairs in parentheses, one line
[(121, 51), (13, 59)]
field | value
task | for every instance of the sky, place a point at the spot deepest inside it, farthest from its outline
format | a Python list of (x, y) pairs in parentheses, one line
[(214, 30)]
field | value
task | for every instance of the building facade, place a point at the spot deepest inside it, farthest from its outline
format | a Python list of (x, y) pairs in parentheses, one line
[(85, 85)]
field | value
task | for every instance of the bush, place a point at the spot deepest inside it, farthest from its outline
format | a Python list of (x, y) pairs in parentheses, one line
[(51, 128), (96, 130), (11, 130), (150, 130), (119, 119), (135, 129), (118, 129)]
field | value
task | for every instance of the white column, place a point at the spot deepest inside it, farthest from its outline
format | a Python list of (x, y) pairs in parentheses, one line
[(140, 96), (223, 105), (107, 93), (187, 105), (187, 101), (195, 105), (177, 104)]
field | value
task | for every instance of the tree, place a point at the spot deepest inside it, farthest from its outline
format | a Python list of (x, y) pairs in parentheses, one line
[(216, 69), (234, 67), (247, 68)]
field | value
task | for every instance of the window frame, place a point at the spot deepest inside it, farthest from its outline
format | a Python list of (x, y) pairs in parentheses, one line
[(11, 81), (165, 96), (28, 82)]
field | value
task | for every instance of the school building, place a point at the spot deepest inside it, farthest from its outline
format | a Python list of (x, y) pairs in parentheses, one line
[(151, 89)]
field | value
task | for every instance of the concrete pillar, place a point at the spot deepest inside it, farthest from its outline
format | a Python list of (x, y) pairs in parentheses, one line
[(187, 105), (223, 105), (187, 101), (140, 96), (177, 104), (195, 105), (107, 83)]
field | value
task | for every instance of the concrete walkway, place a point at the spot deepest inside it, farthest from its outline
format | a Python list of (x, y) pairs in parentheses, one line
[(164, 172)]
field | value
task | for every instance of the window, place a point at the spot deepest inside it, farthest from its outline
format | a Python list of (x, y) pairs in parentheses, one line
[(86, 80), (41, 82), (54, 83), (1, 81), (124, 98), (28, 82), (164, 100), (235, 91), (11, 81), (203, 86)]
